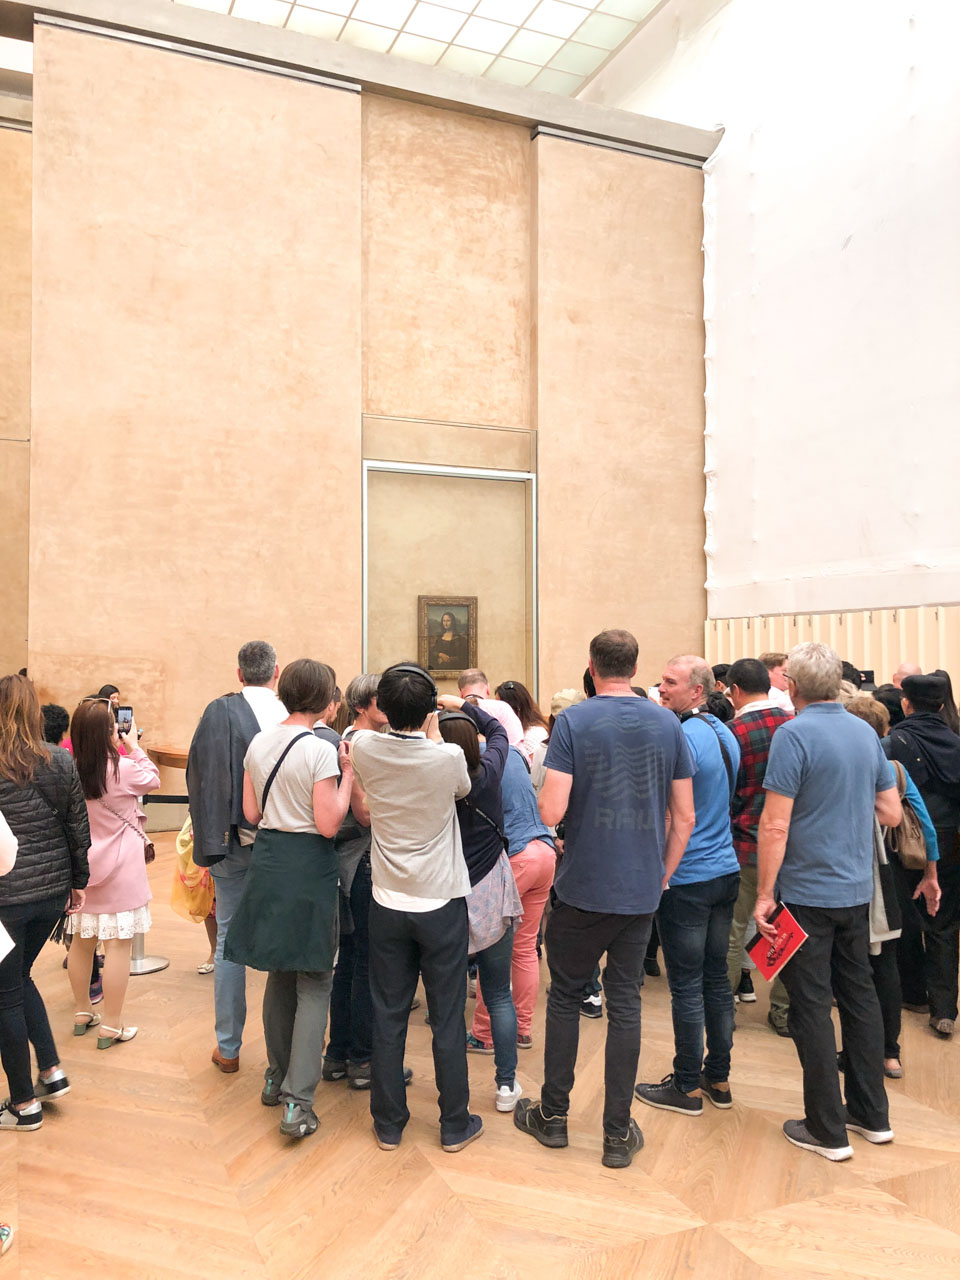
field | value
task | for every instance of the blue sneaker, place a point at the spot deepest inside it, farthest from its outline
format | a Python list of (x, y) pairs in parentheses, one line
[(473, 1130)]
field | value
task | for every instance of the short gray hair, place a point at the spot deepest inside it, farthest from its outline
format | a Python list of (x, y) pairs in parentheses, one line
[(816, 670), (700, 671), (361, 691), (257, 661)]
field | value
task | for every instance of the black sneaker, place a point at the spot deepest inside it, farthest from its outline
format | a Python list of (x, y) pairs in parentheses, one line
[(668, 1097), (456, 1142), (25, 1120), (549, 1131), (54, 1087), (270, 1094), (298, 1122), (651, 968), (796, 1131), (387, 1139), (721, 1098), (871, 1135), (745, 992), (619, 1152), (591, 1007), (359, 1075), (333, 1069)]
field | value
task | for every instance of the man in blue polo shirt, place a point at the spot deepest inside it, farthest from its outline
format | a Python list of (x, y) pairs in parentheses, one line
[(696, 910), (826, 779), (615, 764)]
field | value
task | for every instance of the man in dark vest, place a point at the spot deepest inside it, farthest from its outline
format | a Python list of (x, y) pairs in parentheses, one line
[(222, 837), (929, 750)]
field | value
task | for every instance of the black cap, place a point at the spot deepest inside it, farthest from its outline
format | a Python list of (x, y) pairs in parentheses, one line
[(927, 693)]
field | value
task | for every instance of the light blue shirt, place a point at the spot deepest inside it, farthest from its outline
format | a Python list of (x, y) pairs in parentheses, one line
[(831, 765), (709, 852), (521, 817)]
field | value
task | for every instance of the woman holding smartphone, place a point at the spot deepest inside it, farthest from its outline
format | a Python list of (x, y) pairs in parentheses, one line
[(118, 893), (42, 802)]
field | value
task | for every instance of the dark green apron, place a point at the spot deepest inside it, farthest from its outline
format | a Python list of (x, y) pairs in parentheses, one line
[(288, 917)]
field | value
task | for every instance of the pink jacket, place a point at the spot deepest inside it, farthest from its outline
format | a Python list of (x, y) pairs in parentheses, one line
[(118, 873)]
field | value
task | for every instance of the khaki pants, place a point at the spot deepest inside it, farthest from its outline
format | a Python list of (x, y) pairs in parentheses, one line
[(742, 919)]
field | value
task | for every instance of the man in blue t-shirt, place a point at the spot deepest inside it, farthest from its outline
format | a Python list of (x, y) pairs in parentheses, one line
[(826, 780), (615, 766), (696, 911)]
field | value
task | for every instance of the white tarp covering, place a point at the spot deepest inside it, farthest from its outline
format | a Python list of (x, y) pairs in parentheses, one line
[(832, 287)]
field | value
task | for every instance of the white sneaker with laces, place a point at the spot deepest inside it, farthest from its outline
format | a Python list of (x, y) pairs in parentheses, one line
[(507, 1097)]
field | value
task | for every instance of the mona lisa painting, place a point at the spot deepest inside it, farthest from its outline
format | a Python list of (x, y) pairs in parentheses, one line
[(447, 632)]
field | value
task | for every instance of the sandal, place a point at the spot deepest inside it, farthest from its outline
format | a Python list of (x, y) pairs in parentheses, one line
[(80, 1028), (120, 1036)]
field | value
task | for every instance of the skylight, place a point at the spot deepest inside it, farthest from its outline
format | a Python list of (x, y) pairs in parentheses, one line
[(553, 45)]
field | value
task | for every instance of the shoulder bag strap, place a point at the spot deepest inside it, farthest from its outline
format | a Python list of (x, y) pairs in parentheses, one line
[(901, 775), (126, 821), (307, 733), (487, 819), (56, 813), (727, 762)]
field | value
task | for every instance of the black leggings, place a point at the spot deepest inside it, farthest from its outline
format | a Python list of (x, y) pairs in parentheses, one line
[(23, 1017)]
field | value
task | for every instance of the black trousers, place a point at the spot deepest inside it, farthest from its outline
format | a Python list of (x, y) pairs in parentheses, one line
[(23, 1016), (351, 1010), (929, 948), (886, 979), (835, 961), (575, 942), (404, 945)]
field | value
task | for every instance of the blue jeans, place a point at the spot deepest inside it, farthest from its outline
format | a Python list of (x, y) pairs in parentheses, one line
[(694, 924), (229, 979), (493, 973)]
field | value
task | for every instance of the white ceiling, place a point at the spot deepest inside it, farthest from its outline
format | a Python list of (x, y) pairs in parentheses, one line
[(553, 45)]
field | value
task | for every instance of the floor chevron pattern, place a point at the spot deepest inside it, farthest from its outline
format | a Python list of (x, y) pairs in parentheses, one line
[(157, 1167)]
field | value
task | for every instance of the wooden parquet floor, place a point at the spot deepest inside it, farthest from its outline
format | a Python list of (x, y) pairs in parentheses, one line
[(157, 1165)]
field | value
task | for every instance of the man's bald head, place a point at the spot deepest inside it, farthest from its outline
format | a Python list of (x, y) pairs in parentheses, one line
[(905, 669)]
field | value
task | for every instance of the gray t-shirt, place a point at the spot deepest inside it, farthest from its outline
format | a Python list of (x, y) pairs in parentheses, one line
[(290, 800)]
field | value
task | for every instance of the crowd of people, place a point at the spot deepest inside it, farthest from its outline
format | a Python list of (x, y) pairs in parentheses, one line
[(355, 845)]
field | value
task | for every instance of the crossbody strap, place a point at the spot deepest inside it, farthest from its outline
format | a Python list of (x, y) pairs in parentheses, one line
[(126, 822), (307, 733), (487, 819), (727, 762), (56, 813)]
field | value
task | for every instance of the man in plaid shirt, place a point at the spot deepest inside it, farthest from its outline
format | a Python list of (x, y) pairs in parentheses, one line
[(756, 721)]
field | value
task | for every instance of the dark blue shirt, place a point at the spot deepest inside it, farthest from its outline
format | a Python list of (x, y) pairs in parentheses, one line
[(624, 754)]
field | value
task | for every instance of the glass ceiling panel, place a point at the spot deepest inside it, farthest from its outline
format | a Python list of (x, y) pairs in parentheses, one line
[(555, 45)]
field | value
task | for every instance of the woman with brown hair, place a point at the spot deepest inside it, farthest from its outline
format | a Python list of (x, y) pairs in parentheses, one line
[(42, 802), (518, 697), (118, 892)]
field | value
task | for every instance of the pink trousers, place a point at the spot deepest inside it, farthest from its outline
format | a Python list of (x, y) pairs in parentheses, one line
[(533, 869)]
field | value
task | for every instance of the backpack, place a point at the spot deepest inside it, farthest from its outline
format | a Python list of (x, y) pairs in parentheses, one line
[(906, 842)]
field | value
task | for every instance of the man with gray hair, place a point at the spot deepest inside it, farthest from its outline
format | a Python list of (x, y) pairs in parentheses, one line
[(222, 837), (696, 910), (826, 780)]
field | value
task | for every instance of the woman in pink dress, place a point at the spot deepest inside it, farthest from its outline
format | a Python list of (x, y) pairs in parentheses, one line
[(118, 892)]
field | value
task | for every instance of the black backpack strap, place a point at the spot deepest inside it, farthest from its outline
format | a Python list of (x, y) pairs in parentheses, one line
[(307, 733), (727, 762)]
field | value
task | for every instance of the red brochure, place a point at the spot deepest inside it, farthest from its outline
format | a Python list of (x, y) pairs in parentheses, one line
[(770, 956)]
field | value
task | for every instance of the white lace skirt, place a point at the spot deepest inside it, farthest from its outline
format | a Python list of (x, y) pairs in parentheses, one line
[(118, 924)]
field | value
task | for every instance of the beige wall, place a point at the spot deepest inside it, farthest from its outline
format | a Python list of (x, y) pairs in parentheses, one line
[(15, 162), (196, 374), (440, 535), (446, 259), (619, 404)]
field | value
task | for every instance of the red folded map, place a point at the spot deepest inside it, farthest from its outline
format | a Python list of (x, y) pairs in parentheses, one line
[(771, 955)]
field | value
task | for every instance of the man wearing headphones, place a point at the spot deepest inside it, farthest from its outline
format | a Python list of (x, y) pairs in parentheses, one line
[(418, 916)]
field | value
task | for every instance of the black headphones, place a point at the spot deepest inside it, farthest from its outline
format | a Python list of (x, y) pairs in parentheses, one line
[(446, 716), (409, 669)]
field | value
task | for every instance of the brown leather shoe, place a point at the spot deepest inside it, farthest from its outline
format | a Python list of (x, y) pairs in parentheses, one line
[(227, 1065)]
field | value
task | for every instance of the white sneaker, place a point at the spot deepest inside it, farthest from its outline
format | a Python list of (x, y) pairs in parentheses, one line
[(508, 1098)]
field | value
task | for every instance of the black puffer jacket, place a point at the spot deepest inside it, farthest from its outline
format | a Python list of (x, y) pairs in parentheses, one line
[(52, 854)]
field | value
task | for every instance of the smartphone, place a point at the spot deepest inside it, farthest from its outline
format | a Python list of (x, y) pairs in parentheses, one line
[(124, 719)]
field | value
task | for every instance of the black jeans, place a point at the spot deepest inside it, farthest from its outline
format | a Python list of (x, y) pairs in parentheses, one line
[(886, 979), (404, 945), (23, 1018), (835, 961), (575, 942), (929, 947), (351, 1009)]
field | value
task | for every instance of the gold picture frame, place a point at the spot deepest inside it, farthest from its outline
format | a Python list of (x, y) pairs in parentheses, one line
[(458, 637)]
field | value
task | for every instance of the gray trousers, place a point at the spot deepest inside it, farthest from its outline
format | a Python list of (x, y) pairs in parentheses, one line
[(294, 1019), (739, 930)]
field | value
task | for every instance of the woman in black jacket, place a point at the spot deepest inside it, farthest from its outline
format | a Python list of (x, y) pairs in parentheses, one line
[(41, 799), (494, 903)]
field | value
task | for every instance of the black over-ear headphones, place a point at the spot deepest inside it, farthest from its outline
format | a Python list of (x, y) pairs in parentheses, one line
[(447, 716), (409, 669)]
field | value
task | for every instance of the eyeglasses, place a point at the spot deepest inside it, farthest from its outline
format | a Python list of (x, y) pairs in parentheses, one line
[(94, 698)]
